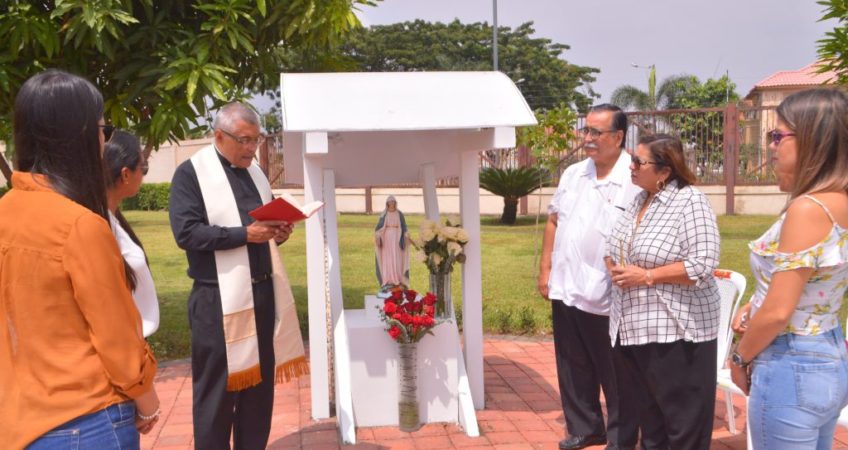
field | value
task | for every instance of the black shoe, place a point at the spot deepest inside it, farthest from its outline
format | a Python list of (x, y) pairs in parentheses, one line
[(577, 442), (620, 447)]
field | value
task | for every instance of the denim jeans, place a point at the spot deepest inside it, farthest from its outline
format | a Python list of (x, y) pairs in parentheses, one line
[(112, 428), (799, 386)]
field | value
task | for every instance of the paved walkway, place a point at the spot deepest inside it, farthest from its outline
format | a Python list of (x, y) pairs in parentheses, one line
[(522, 411)]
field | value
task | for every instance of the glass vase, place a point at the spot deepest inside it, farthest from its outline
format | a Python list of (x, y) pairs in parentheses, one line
[(440, 286), (408, 380)]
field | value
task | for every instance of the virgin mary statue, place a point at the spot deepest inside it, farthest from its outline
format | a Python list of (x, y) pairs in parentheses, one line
[(391, 246)]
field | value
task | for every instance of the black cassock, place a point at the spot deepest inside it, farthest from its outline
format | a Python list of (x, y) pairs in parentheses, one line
[(216, 412)]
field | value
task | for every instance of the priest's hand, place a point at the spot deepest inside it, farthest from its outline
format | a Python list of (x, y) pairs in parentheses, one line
[(264, 231), (283, 233)]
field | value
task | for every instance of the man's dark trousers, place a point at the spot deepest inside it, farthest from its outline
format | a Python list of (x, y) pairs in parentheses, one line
[(585, 364), (218, 413)]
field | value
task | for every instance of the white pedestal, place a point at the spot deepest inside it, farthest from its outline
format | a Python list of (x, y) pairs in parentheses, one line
[(374, 371)]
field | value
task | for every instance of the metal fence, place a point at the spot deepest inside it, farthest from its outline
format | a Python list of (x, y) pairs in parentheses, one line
[(723, 146)]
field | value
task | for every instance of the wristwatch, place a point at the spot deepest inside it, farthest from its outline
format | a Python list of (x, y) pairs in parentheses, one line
[(736, 359)]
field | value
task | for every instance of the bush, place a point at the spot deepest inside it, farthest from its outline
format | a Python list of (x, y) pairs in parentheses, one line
[(3, 190), (150, 197)]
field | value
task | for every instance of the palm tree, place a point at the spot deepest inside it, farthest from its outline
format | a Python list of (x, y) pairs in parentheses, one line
[(631, 97), (512, 184)]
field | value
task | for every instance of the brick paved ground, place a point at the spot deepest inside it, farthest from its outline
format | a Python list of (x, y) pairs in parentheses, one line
[(522, 411)]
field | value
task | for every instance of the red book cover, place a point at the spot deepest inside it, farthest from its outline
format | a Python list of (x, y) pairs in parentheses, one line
[(285, 208)]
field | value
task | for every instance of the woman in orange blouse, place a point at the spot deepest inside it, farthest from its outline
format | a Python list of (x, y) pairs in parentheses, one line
[(75, 371)]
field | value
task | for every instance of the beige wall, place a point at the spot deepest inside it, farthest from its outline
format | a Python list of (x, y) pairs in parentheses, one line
[(164, 161)]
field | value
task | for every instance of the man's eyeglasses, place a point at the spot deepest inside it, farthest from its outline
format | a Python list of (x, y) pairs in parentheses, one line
[(639, 162), (107, 131), (594, 132), (775, 136), (245, 140)]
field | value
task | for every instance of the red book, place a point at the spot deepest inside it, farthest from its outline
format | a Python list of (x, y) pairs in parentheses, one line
[(285, 208)]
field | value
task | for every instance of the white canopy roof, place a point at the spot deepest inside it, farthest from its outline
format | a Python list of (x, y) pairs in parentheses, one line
[(377, 101), (381, 128)]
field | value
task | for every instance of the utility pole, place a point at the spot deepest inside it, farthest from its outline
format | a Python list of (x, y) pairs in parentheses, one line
[(495, 34)]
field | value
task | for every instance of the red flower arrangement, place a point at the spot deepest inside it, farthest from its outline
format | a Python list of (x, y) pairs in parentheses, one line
[(408, 314)]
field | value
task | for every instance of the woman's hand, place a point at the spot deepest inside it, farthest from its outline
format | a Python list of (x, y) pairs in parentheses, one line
[(147, 411), (739, 324), (629, 276), (741, 376)]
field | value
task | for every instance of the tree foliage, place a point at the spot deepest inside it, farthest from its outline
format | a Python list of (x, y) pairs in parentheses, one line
[(535, 64), (512, 184), (833, 48), (163, 64), (655, 98)]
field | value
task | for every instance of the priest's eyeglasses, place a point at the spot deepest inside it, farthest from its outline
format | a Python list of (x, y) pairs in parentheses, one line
[(245, 140)]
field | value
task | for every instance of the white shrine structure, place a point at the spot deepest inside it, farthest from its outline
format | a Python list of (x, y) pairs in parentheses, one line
[(356, 129)]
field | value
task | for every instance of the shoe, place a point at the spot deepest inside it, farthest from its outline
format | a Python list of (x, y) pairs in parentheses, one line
[(577, 442)]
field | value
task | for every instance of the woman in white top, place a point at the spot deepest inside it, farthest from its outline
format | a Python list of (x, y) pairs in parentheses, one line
[(792, 356), (125, 170)]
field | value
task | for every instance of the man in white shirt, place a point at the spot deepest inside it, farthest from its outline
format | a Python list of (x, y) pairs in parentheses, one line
[(589, 199)]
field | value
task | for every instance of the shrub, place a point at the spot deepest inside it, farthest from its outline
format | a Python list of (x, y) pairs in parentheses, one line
[(150, 197), (3, 190)]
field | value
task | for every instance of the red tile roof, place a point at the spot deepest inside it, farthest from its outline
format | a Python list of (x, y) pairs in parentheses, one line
[(807, 76)]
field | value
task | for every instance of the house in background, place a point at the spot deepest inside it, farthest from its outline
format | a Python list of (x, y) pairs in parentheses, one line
[(777, 86)]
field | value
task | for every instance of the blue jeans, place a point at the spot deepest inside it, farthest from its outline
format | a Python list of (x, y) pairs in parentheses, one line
[(799, 386), (112, 428)]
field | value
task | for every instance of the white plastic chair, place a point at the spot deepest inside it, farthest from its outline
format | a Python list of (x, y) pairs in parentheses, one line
[(731, 287)]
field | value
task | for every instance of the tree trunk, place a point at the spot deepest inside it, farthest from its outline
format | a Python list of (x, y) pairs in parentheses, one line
[(148, 149), (510, 208)]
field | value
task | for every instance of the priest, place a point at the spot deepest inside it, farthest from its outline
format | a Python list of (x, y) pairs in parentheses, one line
[(244, 329)]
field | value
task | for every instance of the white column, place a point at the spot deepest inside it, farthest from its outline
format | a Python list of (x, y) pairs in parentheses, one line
[(332, 230), (316, 279), (431, 199), (472, 290)]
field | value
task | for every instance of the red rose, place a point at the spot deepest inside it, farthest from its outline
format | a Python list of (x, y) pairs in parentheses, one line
[(429, 299), (430, 310), (428, 321), (416, 320), (410, 295), (405, 319), (397, 316), (397, 295), (389, 308), (394, 332)]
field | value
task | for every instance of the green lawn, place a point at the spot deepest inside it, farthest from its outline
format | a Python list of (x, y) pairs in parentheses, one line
[(510, 254)]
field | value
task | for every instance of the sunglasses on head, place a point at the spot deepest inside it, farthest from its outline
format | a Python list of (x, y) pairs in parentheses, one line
[(775, 136)]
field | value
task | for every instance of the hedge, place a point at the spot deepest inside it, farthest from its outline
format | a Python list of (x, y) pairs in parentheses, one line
[(3, 190), (150, 197)]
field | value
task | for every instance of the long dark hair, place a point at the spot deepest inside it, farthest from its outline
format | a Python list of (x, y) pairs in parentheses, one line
[(57, 135), (123, 150)]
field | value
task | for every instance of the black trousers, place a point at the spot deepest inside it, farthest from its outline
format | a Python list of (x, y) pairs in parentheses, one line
[(217, 413), (678, 380), (585, 365)]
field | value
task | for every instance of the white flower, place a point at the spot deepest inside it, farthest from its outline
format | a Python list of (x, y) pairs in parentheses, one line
[(461, 236), (422, 257), (449, 233), (427, 235), (454, 248)]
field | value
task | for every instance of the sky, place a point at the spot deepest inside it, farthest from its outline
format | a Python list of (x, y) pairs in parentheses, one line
[(749, 39)]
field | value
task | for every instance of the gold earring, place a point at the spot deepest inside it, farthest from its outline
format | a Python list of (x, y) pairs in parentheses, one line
[(660, 185)]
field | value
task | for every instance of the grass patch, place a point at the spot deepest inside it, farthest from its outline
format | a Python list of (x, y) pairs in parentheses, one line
[(509, 255)]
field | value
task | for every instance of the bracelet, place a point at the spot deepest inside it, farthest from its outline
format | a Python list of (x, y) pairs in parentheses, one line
[(150, 417), (649, 279)]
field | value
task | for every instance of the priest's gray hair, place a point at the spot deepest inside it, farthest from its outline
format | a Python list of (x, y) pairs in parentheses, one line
[(232, 112)]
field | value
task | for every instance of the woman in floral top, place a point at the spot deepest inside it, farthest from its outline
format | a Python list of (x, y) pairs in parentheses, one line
[(792, 356)]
